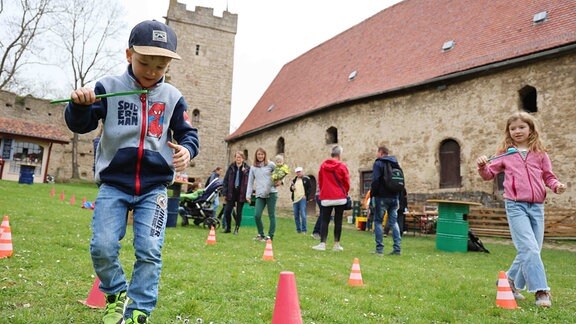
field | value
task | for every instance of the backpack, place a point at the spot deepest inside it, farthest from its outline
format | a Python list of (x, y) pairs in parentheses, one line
[(393, 178), (474, 243)]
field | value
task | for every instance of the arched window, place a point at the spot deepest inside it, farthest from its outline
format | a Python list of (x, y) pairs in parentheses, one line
[(196, 116), (246, 158), (450, 164), (332, 135), (528, 99), (280, 145)]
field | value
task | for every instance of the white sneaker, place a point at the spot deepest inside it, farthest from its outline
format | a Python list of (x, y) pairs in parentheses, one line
[(320, 247), (337, 247)]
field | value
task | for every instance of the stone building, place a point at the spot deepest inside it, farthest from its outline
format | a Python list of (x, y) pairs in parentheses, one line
[(204, 75), (433, 80)]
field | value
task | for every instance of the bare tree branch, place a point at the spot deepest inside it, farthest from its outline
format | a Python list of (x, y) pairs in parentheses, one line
[(20, 27)]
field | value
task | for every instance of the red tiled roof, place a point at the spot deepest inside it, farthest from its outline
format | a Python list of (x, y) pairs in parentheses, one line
[(401, 46), (33, 130)]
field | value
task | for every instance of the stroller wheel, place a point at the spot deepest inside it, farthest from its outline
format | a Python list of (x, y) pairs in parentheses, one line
[(210, 221), (197, 222), (184, 221)]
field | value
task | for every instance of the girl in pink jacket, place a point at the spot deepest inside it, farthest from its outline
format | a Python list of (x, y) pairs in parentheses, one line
[(527, 170)]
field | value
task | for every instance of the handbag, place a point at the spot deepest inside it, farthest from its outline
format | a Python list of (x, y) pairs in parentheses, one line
[(348, 204)]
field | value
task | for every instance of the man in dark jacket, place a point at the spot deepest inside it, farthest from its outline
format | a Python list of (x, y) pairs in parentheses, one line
[(384, 201), (300, 188)]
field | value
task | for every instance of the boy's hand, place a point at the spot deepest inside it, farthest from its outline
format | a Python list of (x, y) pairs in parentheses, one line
[(481, 161), (83, 96), (560, 188), (181, 157)]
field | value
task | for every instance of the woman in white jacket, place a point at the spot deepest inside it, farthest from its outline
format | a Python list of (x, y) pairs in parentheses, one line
[(260, 182)]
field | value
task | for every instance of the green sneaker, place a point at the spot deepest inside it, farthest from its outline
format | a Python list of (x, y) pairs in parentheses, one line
[(138, 317), (114, 308)]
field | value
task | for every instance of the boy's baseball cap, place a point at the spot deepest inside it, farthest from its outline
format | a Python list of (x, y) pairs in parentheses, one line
[(298, 169), (154, 38)]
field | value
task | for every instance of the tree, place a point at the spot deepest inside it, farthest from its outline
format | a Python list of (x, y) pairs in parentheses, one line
[(21, 24), (87, 34)]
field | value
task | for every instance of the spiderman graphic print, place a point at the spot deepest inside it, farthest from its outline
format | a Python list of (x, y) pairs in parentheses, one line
[(156, 119)]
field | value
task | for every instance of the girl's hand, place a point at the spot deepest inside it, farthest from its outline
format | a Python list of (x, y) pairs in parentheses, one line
[(481, 161), (83, 96), (181, 157), (560, 188)]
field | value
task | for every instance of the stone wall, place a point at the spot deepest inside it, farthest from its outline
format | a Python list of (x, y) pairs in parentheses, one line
[(204, 75), (413, 124)]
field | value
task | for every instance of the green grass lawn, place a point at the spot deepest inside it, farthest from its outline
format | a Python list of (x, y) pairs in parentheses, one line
[(230, 283)]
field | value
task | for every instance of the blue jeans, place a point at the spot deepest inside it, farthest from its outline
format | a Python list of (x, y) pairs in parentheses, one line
[(526, 221), (109, 227), (259, 208), (389, 205), (300, 215)]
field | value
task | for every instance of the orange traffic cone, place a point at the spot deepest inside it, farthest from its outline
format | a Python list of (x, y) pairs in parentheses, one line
[(504, 296), (355, 276), (5, 239), (211, 236), (96, 298), (62, 197), (268, 254), (72, 200), (287, 307), (52, 192)]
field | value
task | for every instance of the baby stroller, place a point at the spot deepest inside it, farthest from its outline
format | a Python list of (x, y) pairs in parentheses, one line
[(199, 209)]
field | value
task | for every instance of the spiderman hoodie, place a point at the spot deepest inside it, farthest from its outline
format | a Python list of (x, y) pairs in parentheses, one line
[(133, 154)]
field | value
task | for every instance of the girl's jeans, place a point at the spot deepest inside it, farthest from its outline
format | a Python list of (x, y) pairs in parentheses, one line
[(526, 221), (260, 204), (109, 227)]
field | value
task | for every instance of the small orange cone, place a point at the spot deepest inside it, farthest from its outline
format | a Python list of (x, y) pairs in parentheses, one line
[(287, 307), (52, 192), (355, 276), (211, 237), (96, 298), (72, 200), (62, 197), (6, 249), (504, 296), (268, 254)]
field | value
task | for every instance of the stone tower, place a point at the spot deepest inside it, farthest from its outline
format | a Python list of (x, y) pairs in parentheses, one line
[(204, 75)]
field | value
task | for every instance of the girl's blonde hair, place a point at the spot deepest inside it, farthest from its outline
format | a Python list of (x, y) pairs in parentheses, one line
[(534, 142), (264, 162)]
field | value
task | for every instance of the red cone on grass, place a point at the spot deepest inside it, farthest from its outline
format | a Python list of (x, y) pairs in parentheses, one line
[(72, 200), (6, 249), (96, 298), (355, 275), (52, 192), (62, 197), (504, 296), (268, 253), (287, 307), (211, 236)]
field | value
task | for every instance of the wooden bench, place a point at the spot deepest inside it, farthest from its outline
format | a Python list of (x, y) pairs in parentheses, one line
[(421, 219)]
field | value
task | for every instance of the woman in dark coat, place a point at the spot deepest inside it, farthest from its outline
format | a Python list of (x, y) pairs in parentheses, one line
[(234, 190)]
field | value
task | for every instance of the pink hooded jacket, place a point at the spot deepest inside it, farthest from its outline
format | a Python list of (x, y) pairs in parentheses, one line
[(524, 180)]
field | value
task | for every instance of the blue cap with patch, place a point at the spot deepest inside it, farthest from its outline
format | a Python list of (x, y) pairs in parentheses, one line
[(154, 38)]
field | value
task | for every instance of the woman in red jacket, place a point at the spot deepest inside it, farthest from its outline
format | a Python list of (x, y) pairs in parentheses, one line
[(334, 183)]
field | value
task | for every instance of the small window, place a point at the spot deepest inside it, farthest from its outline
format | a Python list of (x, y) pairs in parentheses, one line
[(448, 45), (280, 145), (332, 135), (365, 182), (196, 116), (246, 156), (528, 99), (540, 17), (197, 49), (352, 75)]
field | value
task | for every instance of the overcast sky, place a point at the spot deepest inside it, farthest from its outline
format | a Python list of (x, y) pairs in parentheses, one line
[(270, 34)]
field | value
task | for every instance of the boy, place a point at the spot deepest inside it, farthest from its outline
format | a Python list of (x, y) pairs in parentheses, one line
[(135, 162)]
